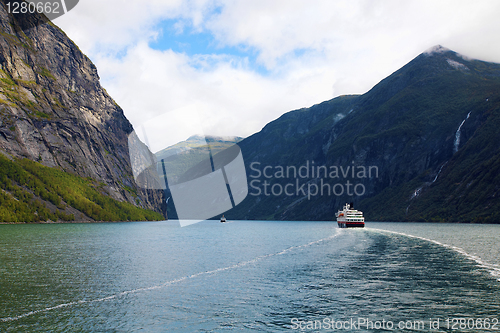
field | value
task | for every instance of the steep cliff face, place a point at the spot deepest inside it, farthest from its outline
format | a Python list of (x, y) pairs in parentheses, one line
[(53, 109), (429, 129)]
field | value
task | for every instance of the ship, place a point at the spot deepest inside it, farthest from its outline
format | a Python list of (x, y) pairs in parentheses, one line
[(350, 218), (222, 219)]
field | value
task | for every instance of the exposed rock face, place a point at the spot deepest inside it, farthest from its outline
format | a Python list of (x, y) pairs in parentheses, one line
[(54, 110)]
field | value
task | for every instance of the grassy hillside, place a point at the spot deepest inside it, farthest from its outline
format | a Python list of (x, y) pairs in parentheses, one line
[(31, 192)]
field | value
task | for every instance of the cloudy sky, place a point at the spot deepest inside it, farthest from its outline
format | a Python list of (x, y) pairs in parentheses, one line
[(228, 67)]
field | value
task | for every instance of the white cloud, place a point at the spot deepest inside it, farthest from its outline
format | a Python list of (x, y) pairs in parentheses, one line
[(232, 100), (313, 51)]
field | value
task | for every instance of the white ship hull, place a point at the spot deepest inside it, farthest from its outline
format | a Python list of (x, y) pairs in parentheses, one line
[(350, 218)]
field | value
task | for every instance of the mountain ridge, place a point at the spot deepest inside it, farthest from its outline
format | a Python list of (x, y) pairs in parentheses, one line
[(406, 125)]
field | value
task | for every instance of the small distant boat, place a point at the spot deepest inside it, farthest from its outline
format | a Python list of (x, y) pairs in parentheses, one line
[(350, 218), (222, 219)]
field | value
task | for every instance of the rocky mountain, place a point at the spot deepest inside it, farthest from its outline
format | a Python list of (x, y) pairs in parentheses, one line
[(421, 145), (54, 111), (178, 159), (195, 142)]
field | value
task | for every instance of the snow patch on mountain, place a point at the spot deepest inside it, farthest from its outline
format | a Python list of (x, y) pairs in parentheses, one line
[(457, 65)]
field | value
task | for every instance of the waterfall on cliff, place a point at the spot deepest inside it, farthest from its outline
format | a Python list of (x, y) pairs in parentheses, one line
[(457, 134)]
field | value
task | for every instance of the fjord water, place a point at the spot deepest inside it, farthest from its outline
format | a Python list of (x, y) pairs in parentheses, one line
[(242, 276)]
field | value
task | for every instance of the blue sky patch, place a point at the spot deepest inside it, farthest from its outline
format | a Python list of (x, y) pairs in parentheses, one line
[(198, 43)]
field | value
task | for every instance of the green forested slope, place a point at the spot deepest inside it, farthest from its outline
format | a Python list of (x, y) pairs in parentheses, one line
[(31, 192)]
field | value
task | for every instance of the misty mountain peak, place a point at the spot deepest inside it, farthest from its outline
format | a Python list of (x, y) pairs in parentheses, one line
[(441, 50), (436, 49)]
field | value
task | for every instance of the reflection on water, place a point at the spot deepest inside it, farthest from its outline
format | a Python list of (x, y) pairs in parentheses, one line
[(255, 276)]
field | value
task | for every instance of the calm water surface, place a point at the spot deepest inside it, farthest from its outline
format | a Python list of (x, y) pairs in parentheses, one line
[(244, 276)]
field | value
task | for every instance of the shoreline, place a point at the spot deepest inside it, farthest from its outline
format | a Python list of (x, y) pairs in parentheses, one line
[(74, 222)]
